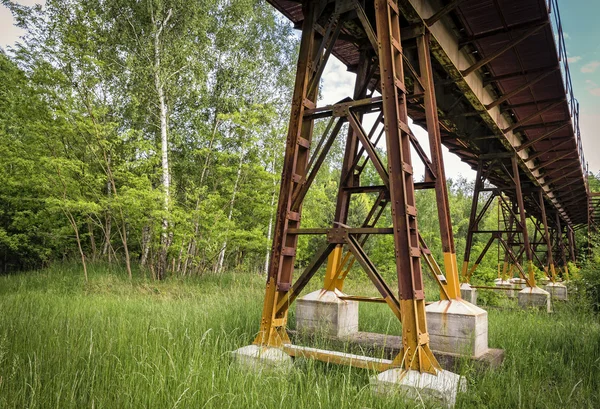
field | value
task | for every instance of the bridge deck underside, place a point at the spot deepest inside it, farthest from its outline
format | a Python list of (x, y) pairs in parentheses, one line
[(501, 107)]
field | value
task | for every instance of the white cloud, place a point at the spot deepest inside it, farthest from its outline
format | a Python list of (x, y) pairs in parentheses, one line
[(595, 91), (590, 67), (574, 60), (590, 123)]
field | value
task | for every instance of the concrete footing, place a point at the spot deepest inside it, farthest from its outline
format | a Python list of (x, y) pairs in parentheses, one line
[(258, 358), (325, 313), (506, 284), (557, 291), (457, 327), (443, 386), (468, 293), (518, 283), (534, 297)]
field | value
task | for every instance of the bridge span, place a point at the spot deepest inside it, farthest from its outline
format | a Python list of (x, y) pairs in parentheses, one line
[(490, 80), (503, 86)]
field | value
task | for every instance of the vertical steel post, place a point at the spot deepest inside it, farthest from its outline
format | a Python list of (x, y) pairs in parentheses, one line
[(571, 238), (347, 179), (550, 260), (416, 353), (272, 328), (523, 220), (435, 146), (561, 247), (472, 217)]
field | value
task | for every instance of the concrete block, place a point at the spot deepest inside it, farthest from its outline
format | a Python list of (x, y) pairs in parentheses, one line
[(257, 358), (468, 293), (442, 387), (557, 291), (458, 327), (518, 283), (534, 297), (323, 312), (545, 280), (506, 284)]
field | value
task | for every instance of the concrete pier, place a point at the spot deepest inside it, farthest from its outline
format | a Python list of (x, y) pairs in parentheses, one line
[(518, 283), (258, 358), (323, 312), (442, 387), (558, 291), (506, 284), (457, 327), (468, 293), (534, 297)]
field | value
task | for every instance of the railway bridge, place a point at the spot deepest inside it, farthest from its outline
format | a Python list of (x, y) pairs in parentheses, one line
[(488, 79)]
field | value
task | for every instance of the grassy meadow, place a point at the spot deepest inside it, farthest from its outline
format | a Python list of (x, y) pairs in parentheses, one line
[(115, 344)]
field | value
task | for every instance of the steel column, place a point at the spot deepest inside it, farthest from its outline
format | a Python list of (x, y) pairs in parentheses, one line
[(435, 145), (525, 233), (272, 329), (416, 353)]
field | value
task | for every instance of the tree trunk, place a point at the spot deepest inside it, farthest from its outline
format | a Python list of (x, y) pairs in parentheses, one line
[(164, 237), (271, 216), (145, 245), (81, 253), (92, 239), (106, 248), (231, 204)]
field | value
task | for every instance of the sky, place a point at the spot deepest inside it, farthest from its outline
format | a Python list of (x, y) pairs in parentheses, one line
[(582, 37)]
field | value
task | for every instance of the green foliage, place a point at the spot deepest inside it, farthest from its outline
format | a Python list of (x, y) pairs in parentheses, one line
[(587, 278), (79, 131)]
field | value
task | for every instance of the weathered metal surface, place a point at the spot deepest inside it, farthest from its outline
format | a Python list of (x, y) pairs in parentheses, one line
[(518, 101)]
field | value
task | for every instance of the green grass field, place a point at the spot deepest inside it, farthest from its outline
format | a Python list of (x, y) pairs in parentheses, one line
[(115, 344)]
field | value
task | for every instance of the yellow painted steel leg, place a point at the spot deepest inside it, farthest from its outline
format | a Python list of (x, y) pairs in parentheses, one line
[(465, 272), (511, 272), (505, 270), (416, 353), (272, 325), (451, 267), (531, 273), (332, 273), (552, 273)]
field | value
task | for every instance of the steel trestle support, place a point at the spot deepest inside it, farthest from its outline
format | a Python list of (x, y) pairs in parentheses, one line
[(382, 69), (514, 232)]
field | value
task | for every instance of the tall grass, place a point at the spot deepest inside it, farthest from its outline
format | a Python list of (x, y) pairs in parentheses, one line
[(116, 344)]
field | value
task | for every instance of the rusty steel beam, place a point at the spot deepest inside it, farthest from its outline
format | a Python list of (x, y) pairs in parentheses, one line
[(517, 74), (502, 50), (553, 161), (519, 89), (279, 281), (442, 12), (530, 117), (402, 196), (503, 30), (435, 146)]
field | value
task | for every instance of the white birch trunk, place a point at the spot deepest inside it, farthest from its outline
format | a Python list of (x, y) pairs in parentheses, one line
[(231, 204), (272, 215), (162, 264)]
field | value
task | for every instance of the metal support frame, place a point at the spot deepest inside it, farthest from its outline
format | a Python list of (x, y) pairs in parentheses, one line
[(387, 67), (512, 232)]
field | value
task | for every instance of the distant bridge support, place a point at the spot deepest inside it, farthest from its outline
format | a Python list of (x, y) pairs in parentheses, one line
[(512, 233)]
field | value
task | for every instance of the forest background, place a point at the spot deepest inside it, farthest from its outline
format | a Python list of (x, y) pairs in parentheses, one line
[(150, 134)]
